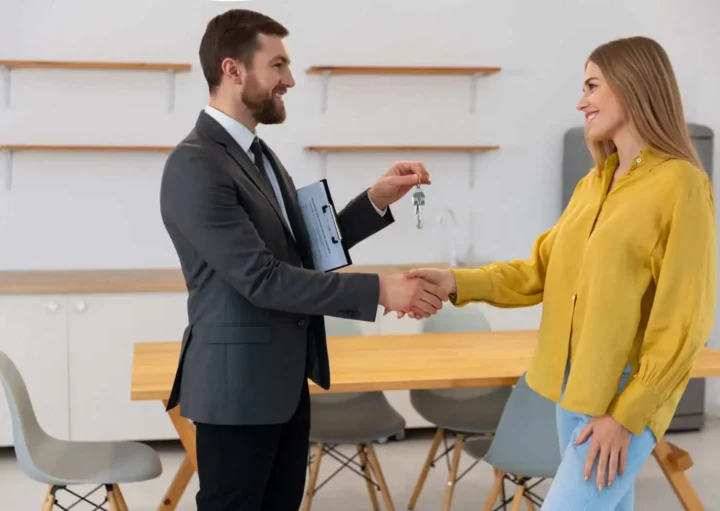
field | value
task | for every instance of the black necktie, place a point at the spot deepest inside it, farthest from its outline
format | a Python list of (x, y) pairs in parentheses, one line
[(257, 151)]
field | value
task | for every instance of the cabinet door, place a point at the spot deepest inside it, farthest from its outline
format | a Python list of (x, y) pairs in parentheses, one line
[(102, 330), (33, 335)]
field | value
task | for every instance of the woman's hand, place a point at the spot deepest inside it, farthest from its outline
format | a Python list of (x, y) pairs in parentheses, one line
[(610, 440)]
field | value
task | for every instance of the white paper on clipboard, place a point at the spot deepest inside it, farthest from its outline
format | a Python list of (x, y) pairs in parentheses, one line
[(318, 212)]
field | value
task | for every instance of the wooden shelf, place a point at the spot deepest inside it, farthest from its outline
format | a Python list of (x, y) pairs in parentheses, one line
[(402, 70), (86, 148), (9, 149), (172, 68), (474, 72), (389, 148), (127, 66)]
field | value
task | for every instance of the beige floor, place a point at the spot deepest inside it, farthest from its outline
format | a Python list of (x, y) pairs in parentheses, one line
[(401, 462)]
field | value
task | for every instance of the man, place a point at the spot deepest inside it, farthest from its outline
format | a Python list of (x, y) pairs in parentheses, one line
[(256, 305)]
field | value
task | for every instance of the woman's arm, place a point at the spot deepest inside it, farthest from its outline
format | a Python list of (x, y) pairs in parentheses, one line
[(516, 283), (682, 314)]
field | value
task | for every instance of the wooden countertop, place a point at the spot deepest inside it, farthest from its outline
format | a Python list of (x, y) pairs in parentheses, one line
[(167, 280), (394, 362)]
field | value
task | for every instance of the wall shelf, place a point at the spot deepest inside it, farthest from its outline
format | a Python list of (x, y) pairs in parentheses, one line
[(474, 72), (9, 149), (471, 150), (172, 68)]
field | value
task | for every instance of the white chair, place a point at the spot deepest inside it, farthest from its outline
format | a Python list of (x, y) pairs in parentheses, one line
[(62, 463)]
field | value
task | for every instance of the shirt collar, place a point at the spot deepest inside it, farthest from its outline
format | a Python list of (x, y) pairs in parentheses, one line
[(243, 136), (647, 159)]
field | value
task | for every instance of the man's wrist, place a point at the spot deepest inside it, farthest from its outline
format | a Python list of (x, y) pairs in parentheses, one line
[(378, 204)]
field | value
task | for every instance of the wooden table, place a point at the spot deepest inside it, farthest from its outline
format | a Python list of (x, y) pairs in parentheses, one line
[(401, 362)]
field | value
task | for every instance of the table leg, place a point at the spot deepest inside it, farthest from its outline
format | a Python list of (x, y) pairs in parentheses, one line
[(188, 467), (674, 462)]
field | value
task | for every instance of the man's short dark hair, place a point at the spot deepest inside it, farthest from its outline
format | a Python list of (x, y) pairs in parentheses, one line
[(233, 34)]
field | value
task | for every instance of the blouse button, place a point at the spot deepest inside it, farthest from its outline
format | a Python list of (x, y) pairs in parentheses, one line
[(639, 160)]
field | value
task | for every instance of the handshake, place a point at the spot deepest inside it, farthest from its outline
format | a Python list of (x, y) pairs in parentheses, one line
[(419, 293)]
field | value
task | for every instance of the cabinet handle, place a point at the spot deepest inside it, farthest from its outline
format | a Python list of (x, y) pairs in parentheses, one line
[(52, 307), (80, 306)]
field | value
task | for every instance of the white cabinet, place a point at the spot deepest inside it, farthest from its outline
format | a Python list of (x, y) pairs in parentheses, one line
[(33, 334), (102, 330)]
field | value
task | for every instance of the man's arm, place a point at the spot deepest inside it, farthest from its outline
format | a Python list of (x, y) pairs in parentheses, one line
[(360, 219), (205, 210)]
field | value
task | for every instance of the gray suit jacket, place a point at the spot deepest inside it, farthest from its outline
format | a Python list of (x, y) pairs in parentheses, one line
[(255, 305)]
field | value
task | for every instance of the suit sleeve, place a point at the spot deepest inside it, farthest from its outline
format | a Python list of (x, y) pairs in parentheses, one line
[(360, 219), (204, 208)]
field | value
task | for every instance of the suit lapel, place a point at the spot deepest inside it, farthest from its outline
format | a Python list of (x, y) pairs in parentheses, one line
[(292, 206), (208, 125)]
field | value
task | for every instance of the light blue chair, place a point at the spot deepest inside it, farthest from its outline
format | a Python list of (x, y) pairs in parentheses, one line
[(462, 413), (353, 418), (60, 463), (525, 449)]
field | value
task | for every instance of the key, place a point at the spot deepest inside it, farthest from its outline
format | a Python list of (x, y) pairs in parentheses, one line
[(418, 202)]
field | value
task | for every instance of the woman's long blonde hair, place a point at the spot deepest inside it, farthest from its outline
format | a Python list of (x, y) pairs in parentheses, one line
[(639, 71)]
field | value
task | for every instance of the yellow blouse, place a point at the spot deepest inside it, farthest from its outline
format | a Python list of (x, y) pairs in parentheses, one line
[(624, 277)]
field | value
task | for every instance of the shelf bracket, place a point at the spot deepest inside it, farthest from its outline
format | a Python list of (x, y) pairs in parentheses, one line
[(473, 91), (171, 90), (471, 175), (8, 170), (6, 85), (325, 87), (323, 165)]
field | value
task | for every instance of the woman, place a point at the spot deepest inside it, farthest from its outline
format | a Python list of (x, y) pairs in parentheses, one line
[(626, 277)]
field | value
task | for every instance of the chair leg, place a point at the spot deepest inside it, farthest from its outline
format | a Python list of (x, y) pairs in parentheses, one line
[(495, 491), (380, 478), (518, 498), (368, 476), (452, 477), (49, 502), (120, 498), (312, 481), (112, 498), (530, 504), (426, 468)]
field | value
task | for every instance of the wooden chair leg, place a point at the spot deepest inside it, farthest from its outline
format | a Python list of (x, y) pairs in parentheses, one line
[(120, 498), (529, 503), (49, 501), (452, 477), (495, 491), (518, 498), (113, 500), (426, 468), (312, 481), (368, 475), (673, 462), (380, 478)]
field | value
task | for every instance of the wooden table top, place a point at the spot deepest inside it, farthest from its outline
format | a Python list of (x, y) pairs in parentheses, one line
[(393, 362)]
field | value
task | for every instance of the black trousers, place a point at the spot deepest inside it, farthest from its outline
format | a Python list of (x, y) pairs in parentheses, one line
[(254, 468)]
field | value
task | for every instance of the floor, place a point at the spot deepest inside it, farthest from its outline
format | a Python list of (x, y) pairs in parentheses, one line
[(401, 462)]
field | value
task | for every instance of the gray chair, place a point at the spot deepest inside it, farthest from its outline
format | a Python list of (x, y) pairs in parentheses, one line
[(61, 463), (463, 413), (357, 418), (524, 450)]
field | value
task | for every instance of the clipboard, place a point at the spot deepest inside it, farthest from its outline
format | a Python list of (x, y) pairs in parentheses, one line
[(320, 218)]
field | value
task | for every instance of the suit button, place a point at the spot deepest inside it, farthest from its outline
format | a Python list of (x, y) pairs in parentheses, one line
[(302, 323)]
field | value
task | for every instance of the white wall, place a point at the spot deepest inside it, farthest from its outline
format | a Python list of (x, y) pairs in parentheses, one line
[(89, 210)]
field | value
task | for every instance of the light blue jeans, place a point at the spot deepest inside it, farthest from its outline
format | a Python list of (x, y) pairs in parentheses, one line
[(569, 491)]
